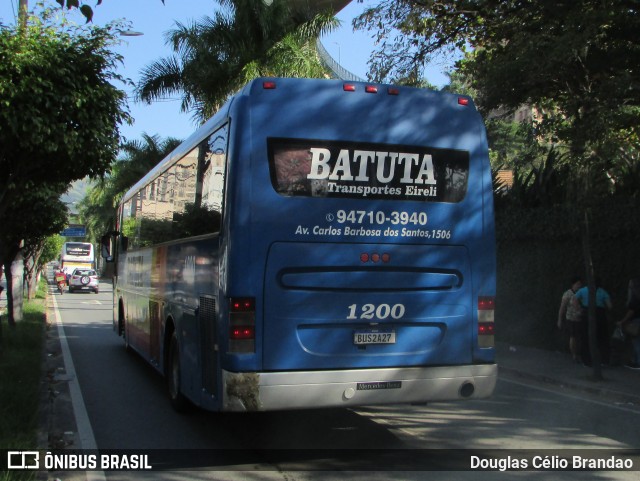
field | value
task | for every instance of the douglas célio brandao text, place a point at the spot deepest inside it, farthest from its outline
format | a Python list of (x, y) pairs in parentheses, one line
[(572, 462)]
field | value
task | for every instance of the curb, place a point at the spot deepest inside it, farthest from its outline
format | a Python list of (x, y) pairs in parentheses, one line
[(57, 428)]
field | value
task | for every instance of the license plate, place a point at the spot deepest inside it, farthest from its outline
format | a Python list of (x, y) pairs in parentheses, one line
[(374, 337)]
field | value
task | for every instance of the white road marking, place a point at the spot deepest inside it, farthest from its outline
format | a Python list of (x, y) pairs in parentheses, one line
[(85, 431)]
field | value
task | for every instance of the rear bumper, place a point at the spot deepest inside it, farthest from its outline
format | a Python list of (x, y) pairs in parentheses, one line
[(357, 387), (83, 287)]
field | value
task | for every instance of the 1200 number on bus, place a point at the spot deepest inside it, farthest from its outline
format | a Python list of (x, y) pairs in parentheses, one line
[(372, 311)]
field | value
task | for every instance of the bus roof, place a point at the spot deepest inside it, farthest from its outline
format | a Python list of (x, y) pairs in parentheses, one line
[(292, 85)]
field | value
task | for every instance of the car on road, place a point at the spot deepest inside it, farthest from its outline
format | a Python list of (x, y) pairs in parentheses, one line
[(84, 279)]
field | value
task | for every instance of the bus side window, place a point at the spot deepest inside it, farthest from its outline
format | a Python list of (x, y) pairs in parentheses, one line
[(184, 201), (196, 184), (105, 245), (128, 222), (214, 174)]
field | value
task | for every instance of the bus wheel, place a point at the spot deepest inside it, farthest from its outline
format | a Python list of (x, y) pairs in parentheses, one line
[(178, 401)]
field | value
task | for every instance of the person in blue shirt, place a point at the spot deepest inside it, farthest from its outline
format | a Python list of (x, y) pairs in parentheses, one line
[(603, 307)]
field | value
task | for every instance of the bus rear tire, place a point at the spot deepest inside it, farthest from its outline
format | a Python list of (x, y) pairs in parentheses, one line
[(178, 401)]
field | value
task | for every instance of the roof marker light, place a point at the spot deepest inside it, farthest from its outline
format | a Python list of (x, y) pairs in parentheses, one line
[(463, 101), (349, 87), (371, 89), (268, 85), (393, 91), (374, 257)]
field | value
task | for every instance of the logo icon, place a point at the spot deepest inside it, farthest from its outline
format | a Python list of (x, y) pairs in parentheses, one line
[(23, 460)]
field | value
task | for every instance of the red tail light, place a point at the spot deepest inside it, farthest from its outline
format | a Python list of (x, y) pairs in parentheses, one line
[(486, 318), (486, 303), (245, 332), (486, 328), (242, 325), (244, 304)]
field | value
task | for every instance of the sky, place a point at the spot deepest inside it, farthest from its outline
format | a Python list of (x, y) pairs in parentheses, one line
[(153, 20)]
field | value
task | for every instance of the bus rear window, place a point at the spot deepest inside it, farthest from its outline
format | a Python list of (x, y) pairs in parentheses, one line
[(78, 249), (319, 168)]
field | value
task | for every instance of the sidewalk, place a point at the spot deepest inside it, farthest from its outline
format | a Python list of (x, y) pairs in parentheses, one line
[(559, 372)]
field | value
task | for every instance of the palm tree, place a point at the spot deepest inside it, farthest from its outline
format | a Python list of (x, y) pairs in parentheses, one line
[(247, 39), (99, 206)]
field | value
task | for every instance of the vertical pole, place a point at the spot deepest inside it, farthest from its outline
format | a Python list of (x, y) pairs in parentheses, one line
[(591, 314), (23, 8)]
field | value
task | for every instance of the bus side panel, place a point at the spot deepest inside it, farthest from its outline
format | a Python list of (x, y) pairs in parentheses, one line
[(134, 285), (189, 285)]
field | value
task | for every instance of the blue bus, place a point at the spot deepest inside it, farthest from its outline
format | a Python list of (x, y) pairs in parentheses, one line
[(316, 243)]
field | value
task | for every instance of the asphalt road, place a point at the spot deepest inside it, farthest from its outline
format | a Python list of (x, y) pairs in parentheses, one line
[(128, 410)]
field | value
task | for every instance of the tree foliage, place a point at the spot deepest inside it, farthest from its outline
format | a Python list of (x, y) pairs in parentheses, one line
[(59, 121), (217, 55), (32, 217), (576, 61), (59, 112)]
